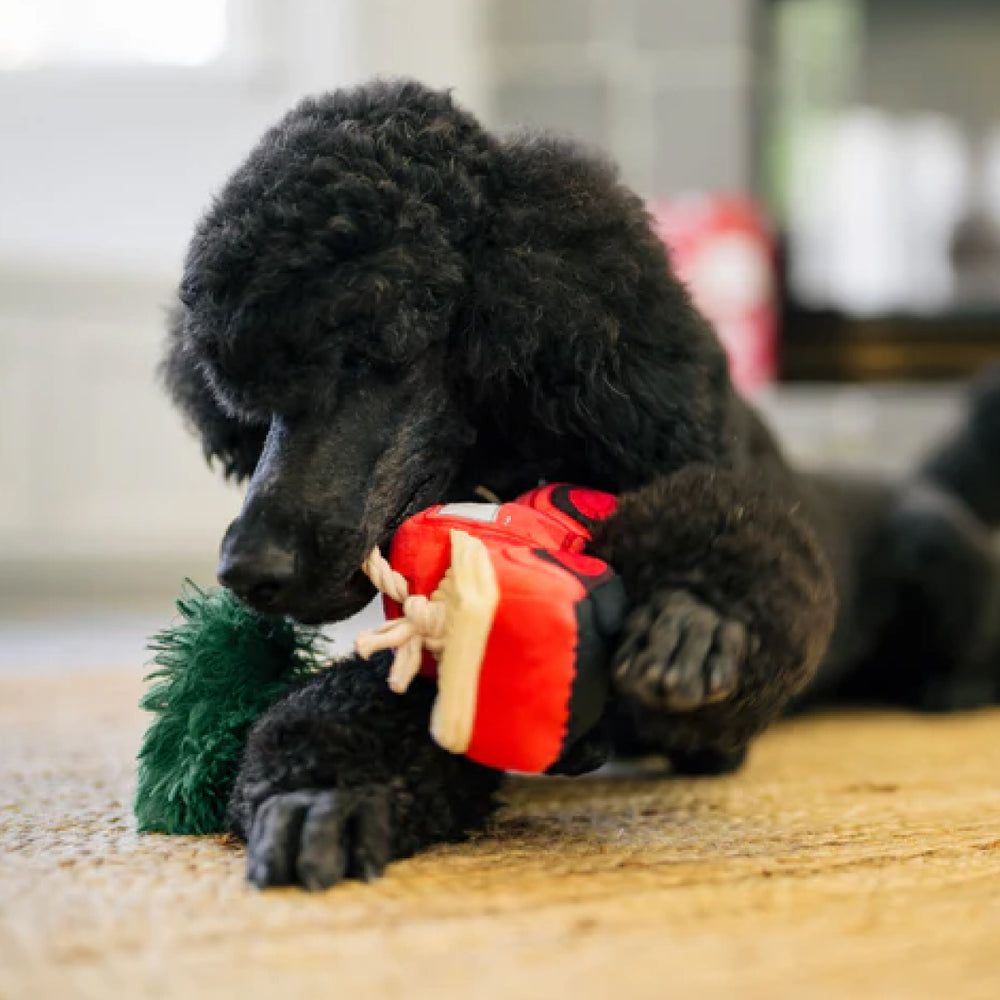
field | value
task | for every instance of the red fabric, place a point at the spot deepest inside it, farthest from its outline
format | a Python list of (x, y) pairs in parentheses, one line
[(597, 506), (527, 676), (536, 549), (571, 506)]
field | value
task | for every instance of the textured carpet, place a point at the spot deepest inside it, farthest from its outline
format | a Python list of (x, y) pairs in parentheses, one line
[(856, 856)]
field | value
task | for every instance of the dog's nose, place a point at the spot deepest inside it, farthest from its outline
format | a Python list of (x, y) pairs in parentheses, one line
[(258, 576)]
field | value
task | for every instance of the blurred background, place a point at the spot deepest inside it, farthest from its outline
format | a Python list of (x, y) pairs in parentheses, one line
[(827, 173)]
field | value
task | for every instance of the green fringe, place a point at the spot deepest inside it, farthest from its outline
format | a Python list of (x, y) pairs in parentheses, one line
[(220, 668)]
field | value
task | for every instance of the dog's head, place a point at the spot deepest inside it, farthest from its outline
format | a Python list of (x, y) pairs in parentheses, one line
[(381, 280), (319, 295)]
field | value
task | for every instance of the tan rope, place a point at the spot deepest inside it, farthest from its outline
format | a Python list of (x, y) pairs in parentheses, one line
[(454, 625), (487, 494), (421, 627), (387, 580)]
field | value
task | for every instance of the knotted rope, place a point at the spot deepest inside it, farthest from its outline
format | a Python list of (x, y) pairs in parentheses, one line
[(454, 624), (421, 627)]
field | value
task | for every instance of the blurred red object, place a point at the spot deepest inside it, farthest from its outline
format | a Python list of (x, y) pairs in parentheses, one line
[(722, 250)]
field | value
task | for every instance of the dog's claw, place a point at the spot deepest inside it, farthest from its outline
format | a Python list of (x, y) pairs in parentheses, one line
[(317, 838), (679, 654)]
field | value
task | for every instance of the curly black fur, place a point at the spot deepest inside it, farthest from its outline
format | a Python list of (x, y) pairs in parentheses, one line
[(734, 544), (342, 732), (386, 306)]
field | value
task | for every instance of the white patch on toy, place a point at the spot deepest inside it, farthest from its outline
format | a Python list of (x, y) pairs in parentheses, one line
[(470, 511)]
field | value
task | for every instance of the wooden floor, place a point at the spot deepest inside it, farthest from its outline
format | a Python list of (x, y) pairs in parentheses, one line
[(856, 857)]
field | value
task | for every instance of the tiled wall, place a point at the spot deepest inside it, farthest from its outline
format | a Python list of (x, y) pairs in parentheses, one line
[(661, 85)]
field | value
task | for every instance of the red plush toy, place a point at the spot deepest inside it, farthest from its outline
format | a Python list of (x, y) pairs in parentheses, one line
[(501, 604)]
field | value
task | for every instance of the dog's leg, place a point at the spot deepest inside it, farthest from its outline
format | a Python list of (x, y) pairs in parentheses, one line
[(732, 608), (967, 463), (941, 647), (342, 777)]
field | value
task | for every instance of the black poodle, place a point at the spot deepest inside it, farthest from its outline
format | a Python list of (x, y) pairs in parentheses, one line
[(387, 307)]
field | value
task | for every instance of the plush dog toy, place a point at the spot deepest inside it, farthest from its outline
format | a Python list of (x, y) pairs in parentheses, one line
[(498, 602), (219, 667)]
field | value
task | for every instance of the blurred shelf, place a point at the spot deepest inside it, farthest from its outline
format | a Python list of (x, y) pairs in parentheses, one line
[(826, 346)]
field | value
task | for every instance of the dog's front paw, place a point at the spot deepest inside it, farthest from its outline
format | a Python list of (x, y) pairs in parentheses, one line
[(316, 838), (678, 654)]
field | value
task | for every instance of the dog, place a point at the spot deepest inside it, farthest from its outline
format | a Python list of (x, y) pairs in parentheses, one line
[(387, 307)]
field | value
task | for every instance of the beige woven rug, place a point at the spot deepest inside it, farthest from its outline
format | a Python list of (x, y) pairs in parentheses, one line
[(856, 857)]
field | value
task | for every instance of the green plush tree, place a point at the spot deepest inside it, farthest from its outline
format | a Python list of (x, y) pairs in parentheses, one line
[(221, 666)]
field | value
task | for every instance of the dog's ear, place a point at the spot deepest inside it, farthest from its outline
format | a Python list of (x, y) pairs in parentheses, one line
[(568, 263), (578, 314), (235, 444)]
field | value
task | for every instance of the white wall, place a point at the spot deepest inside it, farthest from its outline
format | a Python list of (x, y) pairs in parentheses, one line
[(102, 176), (441, 42), (95, 465)]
